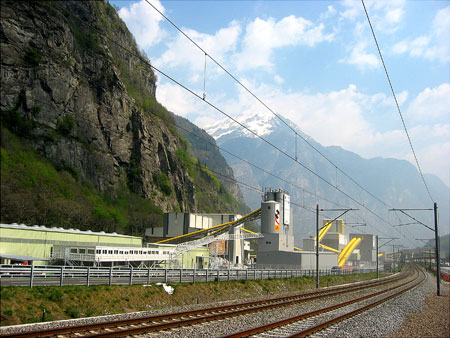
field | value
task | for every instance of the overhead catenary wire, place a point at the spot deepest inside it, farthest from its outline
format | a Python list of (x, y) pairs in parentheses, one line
[(224, 113), (277, 115), (242, 184), (396, 102), (239, 123), (280, 118)]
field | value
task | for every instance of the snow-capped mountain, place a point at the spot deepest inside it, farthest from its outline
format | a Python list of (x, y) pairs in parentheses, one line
[(257, 124), (395, 182), (261, 124)]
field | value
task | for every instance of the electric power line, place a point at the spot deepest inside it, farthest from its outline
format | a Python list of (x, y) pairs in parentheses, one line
[(396, 102), (278, 116), (224, 113)]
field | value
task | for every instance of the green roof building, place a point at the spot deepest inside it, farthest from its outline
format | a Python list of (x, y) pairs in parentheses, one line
[(35, 244)]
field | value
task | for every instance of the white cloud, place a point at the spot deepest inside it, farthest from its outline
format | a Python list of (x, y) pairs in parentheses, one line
[(361, 58), (263, 36), (181, 52), (143, 21), (436, 159), (336, 117), (278, 79), (331, 12), (431, 103), (432, 146), (180, 102), (177, 100), (339, 118), (433, 46), (358, 54), (386, 15)]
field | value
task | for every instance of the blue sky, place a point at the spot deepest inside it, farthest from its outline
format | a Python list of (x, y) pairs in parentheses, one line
[(315, 63)]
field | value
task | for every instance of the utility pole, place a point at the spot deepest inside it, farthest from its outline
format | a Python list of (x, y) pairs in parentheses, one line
[(398, 246), (436, 239), (377, 255), (317, 235), (438, 263), (393, 257), (390, 239), (317, 246)]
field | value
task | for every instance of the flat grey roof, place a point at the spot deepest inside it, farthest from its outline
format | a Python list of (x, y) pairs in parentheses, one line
[(22, 258), (55, 229)]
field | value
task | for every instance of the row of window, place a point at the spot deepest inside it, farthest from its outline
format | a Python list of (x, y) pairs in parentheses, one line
[(116, 252), (82, 251)]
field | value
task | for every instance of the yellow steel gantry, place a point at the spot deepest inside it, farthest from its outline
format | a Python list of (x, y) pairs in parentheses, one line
[(218, 228), (346, 252)]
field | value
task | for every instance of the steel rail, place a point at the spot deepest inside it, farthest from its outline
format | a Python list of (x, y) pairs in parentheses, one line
[(323, 325), (338, 319), (160, 322)]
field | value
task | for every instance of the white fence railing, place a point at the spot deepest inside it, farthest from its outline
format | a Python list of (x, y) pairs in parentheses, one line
[(71, 275)]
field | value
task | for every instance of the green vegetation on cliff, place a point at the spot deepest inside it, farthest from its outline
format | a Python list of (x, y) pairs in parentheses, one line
[(84, 142), (34, 191)]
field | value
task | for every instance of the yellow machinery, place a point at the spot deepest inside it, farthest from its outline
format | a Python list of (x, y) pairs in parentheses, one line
[(346, 252), (323, 231), (218, 229), (329, 248)]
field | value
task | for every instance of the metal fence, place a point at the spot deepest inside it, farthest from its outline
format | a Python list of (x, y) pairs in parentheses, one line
[(69, 275)]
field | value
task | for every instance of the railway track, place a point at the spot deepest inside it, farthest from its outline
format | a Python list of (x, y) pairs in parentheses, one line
[(318, 321), (121, 328)]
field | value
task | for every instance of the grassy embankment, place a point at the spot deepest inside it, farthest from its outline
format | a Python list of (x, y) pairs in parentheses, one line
[(20, 305)]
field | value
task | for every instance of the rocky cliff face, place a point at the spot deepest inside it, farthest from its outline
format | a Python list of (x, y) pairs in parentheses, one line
[(75, 85)]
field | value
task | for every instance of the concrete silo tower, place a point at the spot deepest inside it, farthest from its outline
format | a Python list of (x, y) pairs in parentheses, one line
[(276, 222)]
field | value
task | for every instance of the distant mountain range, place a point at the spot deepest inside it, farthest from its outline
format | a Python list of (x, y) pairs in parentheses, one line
[(396, 183)]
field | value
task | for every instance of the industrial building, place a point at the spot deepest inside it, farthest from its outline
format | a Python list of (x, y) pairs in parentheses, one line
[(197, 241), (41, 245), (276, 248), (233, 252), (366, 253), (335, 236), (196, 258)]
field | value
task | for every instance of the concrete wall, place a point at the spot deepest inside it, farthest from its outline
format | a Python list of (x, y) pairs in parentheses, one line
[(179, 223), (301, 260)]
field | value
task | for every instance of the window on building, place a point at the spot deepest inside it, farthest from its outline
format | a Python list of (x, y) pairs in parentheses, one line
[(110, 252), (98, 251), (91, 251), (104, 251), (116, 252), (121, 252), (82, 250), (73, 250)]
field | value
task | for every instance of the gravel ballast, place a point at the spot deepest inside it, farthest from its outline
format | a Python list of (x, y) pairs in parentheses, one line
[(387, 319), (383, 321)]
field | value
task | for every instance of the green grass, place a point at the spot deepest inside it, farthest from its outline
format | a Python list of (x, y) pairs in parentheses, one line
[(22, 305)]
